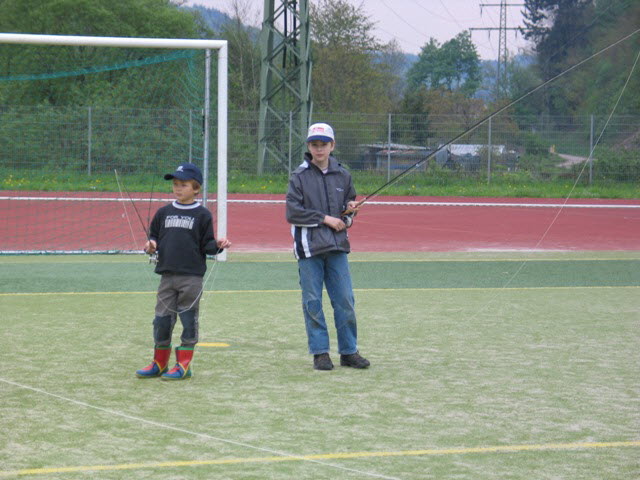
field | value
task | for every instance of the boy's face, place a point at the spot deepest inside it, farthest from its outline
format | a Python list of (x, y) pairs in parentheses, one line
[(184, 191), (320, 150)]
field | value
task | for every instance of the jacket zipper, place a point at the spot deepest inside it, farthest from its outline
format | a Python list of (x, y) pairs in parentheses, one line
[(326, 194)]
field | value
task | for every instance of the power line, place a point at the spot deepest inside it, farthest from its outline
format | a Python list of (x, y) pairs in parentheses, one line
[(402, 19), (449, 13), (432, 13)]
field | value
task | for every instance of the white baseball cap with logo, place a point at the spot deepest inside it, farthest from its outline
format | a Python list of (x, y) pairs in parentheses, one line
[(320, 131)]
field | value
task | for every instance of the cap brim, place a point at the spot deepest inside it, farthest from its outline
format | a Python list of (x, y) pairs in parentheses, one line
[(178, 175), (322, 138)]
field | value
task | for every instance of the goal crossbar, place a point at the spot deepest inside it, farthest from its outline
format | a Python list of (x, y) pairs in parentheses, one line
[(169, 43)]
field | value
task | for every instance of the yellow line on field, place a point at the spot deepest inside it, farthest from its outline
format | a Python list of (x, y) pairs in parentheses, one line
[(360, 290), (326, 456), (213, 344)]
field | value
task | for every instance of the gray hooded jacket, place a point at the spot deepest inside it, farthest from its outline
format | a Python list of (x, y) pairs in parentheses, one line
[(312, 195)]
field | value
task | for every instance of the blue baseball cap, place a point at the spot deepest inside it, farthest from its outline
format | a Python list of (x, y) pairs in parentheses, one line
[(186, 171)]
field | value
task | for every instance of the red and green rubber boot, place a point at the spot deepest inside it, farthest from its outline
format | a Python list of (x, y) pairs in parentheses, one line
[(159, 365), (182, 369)]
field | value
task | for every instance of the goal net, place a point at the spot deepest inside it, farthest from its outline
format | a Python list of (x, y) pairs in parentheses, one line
[(88, 127)]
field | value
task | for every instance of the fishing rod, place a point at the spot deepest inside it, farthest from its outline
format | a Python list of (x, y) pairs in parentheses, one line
[(482, 121), (153, 258), (121, 187), (153, 185)]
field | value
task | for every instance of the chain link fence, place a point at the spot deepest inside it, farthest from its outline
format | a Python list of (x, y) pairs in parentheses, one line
[(542, 147), (94, 140)]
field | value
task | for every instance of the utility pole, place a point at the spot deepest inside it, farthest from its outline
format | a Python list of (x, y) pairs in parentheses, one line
[(503, 52), (285, 82)]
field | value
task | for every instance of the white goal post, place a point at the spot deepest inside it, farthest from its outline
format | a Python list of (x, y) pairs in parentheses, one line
[(169, 43)]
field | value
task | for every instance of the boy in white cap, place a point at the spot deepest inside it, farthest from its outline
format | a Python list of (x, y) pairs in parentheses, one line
[(320, 191), (181, 233)]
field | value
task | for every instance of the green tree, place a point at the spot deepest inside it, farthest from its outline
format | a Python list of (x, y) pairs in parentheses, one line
[(124, 18), (348, 71), (454, 65), (244, 60), (522, 79), (522, 76), (392, 60), (564, 32), (442, 113), (427, 70), (553, 25)]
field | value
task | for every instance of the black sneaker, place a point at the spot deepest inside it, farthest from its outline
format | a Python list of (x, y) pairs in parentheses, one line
[(354, 360), (322, 361)]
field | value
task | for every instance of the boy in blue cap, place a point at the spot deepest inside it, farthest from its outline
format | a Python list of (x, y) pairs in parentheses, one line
[(320, 191), (181, 234)]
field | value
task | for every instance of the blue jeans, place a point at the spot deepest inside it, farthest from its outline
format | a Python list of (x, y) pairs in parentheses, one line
[(332, 270)]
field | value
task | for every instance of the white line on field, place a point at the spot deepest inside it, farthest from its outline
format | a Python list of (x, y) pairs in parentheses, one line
[(372, 202), (196, 434)]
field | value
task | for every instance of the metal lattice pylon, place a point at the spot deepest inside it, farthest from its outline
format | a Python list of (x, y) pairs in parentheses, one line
[(285, 83), (502, 79), (502, 52)]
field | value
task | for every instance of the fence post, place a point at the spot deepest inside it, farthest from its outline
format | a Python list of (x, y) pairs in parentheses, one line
[(591, 151), (389, 149), (89, 141), (489, 150), (190, 135), (290, 139)]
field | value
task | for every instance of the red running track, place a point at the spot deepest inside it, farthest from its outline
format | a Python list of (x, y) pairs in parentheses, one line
[(381, 227), (444, 224)]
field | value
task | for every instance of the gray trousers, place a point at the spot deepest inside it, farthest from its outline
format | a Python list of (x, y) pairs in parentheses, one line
[(178, 296)]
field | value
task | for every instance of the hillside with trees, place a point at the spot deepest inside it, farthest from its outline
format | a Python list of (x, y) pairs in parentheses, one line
[(355, 78), (355, 72), (567, 31)]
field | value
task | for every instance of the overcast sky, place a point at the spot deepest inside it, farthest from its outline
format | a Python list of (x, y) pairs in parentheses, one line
[(413, 22)]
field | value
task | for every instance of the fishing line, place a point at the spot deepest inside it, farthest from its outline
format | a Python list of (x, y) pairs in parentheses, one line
[(126, 213), (146, 230), (493, 297), (517, 272), (153, 186), (584, 165), (483, 308), (213, 271), (211, 275), (580, 173), (487, 118), (121, 187)]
